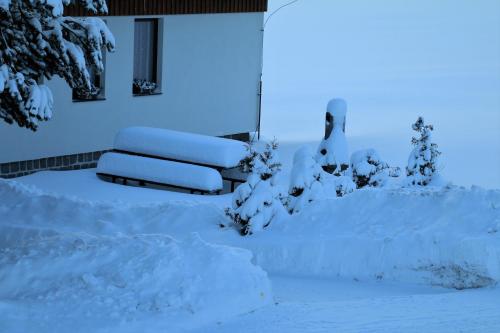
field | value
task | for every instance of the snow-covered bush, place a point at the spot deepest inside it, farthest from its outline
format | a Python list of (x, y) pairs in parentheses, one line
[(257, 201), (306, 180), (333, 151), (263, 161), (342, 185), (38, 42), (368, 169), (422, 163)]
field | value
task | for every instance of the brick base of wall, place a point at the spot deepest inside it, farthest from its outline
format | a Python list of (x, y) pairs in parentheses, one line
[(66, 162)]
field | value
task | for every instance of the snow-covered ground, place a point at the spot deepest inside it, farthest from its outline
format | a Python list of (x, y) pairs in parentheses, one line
[(82, 254)]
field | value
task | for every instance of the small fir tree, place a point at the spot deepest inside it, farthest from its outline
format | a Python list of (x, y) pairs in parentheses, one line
[(37, 42), (257, 201), (422, 163), (306, 181)]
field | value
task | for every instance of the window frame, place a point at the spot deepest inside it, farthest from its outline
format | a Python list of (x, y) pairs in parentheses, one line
[(157, 56)]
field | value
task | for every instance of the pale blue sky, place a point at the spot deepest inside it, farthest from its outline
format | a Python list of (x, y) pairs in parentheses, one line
[(392, 61)]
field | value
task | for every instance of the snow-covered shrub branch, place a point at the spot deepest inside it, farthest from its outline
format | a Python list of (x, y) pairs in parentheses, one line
[(37, 42), (422, 163)]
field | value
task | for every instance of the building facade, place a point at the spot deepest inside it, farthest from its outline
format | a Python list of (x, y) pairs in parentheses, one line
[(188, 65)]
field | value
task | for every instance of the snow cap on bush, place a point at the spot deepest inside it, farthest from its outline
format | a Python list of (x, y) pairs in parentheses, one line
[(305, 183)]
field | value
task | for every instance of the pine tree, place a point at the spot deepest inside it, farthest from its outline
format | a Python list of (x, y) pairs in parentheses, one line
[(306, 181), (37, 42), (257, 201), (422, 163)]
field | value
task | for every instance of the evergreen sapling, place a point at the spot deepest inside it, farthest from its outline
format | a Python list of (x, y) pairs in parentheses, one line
[(256, 202), (422, 162)]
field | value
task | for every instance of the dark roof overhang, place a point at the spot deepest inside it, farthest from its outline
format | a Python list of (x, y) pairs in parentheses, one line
[(173, 7)]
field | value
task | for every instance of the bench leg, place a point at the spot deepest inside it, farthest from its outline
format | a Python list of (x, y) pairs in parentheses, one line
[(113, 179), (232, 186)]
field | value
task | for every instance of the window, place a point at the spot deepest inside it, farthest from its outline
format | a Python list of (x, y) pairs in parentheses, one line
[(97, 80), (147, 71)]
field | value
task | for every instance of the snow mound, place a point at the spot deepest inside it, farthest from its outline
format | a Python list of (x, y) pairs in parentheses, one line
[(121, 276), (26, 212), (448, 237)]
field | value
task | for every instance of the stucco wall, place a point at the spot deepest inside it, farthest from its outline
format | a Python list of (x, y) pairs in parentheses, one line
[(210, 77)]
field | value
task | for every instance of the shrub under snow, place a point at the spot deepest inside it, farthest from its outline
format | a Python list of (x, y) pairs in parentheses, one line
[(306, 180), (422, 163), (257, 201), (368, 169)]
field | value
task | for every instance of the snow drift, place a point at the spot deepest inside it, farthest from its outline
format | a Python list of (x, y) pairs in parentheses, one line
[(448, 237), (442, 236), (106, 276), (99, 260)]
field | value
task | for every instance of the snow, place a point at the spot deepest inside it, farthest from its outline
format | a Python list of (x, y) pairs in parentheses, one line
[(338, 108), (160, 171), (124, 276), (196, 148), (314, 305), (378, 259)]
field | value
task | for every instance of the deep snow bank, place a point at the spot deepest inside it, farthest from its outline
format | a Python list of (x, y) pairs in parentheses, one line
[(122, 275), (449, 237), (32, 212), (98, 260)]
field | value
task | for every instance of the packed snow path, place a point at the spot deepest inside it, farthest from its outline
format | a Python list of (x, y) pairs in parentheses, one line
[(305, 305)]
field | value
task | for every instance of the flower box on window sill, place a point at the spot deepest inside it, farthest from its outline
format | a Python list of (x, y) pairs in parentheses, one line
[(144, 87), (149, 94)]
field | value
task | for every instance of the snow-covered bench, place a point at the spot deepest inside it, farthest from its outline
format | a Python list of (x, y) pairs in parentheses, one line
[(223, 155), (154, 171)]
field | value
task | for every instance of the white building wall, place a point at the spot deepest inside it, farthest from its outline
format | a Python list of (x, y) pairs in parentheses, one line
[(210, 78)]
